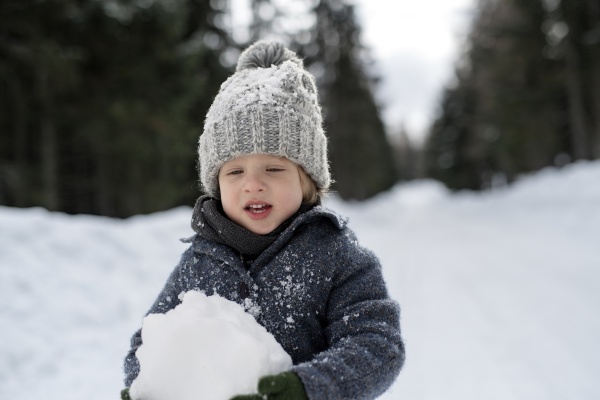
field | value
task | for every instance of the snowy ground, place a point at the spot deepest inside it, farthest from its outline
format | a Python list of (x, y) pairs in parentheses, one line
[(500, 292)]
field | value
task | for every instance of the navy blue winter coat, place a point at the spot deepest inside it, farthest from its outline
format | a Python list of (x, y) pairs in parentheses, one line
[(319, 293)]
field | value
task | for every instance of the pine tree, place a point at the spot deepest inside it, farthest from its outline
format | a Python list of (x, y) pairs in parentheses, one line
[(36, 71), (510, 120), (575, 27), (105, 102), (452, 154), (361, 157)]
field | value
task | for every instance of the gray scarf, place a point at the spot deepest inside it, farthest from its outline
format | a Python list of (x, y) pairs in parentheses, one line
[(210, 222)]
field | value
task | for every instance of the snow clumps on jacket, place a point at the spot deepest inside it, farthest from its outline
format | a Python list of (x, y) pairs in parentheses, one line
[(317, 291)]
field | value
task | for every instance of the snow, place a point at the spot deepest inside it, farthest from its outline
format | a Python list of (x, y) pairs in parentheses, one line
[(272, 87), (499, 291), (234, 353)]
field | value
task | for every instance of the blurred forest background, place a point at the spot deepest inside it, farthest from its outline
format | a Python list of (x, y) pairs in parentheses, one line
[(102, 102)]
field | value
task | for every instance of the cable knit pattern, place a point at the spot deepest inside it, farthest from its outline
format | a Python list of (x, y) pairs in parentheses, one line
[(269, 106)]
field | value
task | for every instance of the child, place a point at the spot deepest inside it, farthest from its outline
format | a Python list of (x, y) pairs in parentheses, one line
[(264, 241)]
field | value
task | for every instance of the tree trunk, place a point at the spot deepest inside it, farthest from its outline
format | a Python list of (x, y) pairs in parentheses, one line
[(577, 116), (595, 88), (102, 192), (19, 182), (48, 143), (594, 50)]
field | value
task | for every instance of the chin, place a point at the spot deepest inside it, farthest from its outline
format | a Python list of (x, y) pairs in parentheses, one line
[(260, 230)]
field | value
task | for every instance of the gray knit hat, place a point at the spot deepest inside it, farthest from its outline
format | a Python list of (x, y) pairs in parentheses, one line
[(268, 106)]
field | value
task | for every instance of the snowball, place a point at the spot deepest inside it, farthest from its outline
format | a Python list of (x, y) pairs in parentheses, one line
[(205, 348)]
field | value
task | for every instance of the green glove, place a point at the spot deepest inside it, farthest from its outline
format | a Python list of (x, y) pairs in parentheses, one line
[(285, 386), (125, 394)]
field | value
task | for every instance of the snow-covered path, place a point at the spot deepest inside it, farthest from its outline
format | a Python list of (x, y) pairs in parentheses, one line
[(500, 292)]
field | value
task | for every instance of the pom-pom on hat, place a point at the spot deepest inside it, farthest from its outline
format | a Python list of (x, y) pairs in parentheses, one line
[(268, 106)]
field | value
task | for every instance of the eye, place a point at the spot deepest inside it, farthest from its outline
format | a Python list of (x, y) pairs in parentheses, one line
[(234, 172), (275, 169)]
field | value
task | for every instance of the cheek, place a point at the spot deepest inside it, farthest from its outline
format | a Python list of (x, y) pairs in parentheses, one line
[(294, 194), (226, 194), (228, 203)]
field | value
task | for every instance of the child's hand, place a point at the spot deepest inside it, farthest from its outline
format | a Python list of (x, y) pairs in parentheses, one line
[(285, 386), (125, 394)]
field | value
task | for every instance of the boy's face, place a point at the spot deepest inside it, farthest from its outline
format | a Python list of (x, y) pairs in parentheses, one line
[(260, 191)]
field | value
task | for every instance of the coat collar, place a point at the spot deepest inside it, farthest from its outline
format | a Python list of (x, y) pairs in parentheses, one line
[(229, 256)]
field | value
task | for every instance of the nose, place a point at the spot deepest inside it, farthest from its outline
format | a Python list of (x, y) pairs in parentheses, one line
[(253, 183)]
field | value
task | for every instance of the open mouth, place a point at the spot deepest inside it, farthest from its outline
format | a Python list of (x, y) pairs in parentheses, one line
[(257, 208)]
